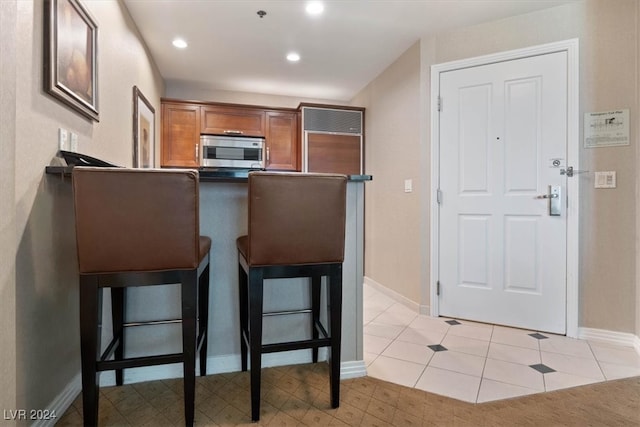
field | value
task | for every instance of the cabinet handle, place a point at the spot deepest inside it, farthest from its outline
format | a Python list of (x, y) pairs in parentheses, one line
[(233, 132), (197, 152), (267, 154)]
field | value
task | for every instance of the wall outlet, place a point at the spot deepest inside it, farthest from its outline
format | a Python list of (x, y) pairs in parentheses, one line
[(63, 139), (74, 142)]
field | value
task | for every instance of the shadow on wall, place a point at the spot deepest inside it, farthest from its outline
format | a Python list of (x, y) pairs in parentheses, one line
[(47, 329)]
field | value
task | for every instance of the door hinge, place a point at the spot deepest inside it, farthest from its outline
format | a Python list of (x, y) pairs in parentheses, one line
[(439, 196), (439, 103), (438, 288)]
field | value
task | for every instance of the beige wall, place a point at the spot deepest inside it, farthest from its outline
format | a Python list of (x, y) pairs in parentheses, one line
[(7, 212), (636, 125), (392, 217), (608, 79), (46, 296), (194, 92)]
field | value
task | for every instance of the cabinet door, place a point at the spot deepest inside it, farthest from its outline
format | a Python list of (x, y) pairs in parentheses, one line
[(180, 135), (330, 153), (232, 121), (282, 141)]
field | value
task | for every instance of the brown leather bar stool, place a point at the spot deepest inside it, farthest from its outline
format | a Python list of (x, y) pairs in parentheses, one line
[(296, 229), (139, 227)]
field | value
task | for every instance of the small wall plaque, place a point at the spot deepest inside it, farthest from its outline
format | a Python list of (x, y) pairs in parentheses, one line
[(606, 128)]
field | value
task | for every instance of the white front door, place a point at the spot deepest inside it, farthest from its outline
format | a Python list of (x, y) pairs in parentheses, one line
[(503, 142)]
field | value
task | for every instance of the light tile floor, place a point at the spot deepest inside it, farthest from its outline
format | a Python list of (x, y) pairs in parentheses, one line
[(477, 362)]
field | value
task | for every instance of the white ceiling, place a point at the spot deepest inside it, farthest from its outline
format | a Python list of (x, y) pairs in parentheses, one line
[(232, 48)]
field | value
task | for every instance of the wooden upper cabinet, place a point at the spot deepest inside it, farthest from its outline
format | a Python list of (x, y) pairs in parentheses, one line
[(180, 135), (183, 122), (223, 120), (282, 141)]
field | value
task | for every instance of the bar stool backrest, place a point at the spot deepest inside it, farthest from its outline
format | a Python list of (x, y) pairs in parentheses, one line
[(136, 219), (296, 219)]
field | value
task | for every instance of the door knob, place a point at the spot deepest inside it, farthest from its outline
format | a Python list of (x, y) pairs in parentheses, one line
[(555, 204)]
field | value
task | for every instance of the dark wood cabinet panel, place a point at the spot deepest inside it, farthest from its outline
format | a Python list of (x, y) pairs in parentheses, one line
[(180, 135), (232, 121), (333, 153), (282, 141)]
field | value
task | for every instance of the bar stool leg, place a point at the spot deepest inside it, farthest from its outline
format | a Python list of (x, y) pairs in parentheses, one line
[(203, 320), (244, 319), (335, 313), (316, 285), (90, 316), (255, 341), (189, 304), (118, 304)]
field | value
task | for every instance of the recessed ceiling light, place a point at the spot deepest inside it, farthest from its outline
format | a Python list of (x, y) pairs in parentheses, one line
[(293, 57), (315, 8), (180, 43)]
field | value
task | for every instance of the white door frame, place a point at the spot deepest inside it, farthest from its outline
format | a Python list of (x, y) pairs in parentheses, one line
[(573, 146)]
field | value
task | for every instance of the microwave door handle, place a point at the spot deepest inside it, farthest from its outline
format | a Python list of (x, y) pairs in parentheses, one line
[(197, 151)]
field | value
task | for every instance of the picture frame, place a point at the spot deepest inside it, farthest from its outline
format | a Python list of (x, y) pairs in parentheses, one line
[(144, 126), (70, 56)]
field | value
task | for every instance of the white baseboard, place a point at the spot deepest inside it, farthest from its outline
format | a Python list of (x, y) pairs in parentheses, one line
[(215, 365), (610, 337), (418, 308), (61, 403), (354, 369)]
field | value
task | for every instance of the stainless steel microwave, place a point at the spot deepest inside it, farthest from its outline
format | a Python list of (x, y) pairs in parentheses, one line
[(231, 152)]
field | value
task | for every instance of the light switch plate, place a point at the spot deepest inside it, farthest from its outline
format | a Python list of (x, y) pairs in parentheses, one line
[(63, 139), (605, 179), (73, 142), (408, 185)]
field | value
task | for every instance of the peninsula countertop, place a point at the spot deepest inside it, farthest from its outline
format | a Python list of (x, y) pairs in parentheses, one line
[(207, 174)]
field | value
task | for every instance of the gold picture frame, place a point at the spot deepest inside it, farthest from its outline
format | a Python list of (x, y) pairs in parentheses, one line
[(144, 131), (70, 56)]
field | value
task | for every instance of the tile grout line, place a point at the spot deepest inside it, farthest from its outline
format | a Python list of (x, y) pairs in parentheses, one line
[(484, 366), (433, 354), (544, 378), (597, 361)]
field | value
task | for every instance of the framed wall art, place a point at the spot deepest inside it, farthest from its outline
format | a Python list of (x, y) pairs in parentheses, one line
[(70, 56), (144, 128)]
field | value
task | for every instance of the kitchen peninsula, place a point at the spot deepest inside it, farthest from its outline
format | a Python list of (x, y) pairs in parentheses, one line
[(223, 217)]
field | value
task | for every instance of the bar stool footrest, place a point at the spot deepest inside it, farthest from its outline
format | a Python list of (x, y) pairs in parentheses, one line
[(296, 345), (136, 362)]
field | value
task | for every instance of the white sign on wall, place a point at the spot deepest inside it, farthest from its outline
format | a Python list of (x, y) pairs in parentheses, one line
[(606, 128)]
